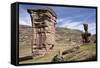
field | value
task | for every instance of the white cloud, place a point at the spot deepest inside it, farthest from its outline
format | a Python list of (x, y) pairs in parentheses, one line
[(23, 22), (68, 23), (65, 22), (92, 28)]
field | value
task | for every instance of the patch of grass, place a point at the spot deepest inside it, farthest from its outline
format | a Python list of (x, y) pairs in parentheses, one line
[(86, 52)]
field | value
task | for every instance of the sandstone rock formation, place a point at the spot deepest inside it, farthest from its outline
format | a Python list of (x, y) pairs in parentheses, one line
[(43, 29)]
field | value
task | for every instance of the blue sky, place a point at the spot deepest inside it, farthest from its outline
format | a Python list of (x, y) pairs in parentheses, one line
[(67, 17)]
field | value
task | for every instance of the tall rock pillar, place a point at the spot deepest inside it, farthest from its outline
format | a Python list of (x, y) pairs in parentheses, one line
[(86, 34), (43, 30)]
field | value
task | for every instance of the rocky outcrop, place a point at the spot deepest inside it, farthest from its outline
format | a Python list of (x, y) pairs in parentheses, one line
[(43, 29)]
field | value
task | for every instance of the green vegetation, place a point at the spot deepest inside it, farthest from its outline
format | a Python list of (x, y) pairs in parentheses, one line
[(86, 52)]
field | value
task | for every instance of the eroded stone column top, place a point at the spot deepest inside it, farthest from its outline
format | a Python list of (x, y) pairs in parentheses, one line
[(42, 10)]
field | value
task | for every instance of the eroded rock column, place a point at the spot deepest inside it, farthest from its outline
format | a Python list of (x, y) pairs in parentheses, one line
[(86, 34), (43, 30)]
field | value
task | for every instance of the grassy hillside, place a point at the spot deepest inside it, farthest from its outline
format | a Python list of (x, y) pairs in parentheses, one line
[(63, 35)]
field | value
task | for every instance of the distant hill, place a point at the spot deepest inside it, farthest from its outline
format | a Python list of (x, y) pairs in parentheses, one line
[(63, 35), (25, 35), (66, 34), (93, 38)]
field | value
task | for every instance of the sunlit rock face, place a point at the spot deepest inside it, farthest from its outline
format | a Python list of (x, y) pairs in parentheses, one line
[(43, 30)]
